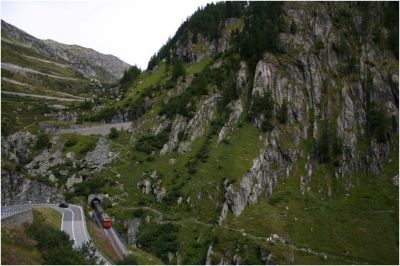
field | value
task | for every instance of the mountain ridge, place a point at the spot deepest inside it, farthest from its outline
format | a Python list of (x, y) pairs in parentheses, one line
[(89, 62), (262, 133)]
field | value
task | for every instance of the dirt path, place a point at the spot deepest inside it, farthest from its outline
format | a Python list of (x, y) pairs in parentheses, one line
[(24, 70), (43, 96), (323, 255)]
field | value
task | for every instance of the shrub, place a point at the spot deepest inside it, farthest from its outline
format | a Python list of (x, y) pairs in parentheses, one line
[(177, 70), (263, 105), (70, 142), (148, 143), (87, 105), (55, 245), (105, 114), (128, 260), (182, 104), (329, 146), (293, 27), (91, 185), (170, 84), (43, 141), (318, 44), (199, 85), (393, 41), (261, 31), (282, 115), (113, 133), (342, 48), (324, 146), (378, 124), (130, 76), (160, 239), (87, 147)]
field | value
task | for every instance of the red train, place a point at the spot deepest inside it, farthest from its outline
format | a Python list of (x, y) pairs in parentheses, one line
[(101, 215)]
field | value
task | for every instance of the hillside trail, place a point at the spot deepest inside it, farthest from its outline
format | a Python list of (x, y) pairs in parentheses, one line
[(323, 255), (43, 96)]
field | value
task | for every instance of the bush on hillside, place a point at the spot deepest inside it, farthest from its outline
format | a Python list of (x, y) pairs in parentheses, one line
[(160, 239), (130, 76), (378, 124), (178, 69), (113, 133), (282, 115), (55, 246), (149, 143), (43, 141), (128, 260), (70, 142)]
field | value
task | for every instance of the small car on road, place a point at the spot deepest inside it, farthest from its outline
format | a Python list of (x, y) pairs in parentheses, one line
[(63, 205)]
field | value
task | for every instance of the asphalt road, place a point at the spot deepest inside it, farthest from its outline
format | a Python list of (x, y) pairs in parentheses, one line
[(73, 221), (97, 130)]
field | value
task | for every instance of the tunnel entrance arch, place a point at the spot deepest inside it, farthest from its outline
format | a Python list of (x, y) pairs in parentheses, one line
[(94, 197)]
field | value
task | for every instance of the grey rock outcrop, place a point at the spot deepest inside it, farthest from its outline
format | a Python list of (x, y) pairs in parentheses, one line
[(262, 176), (41, 165), (224, 212), (266, 256), (160, 126), (194, 52), (89, 62), (99, 157), (132, 226), (152, 183), (160, 194), (237, 109), (16, 146), (237, 260), (144, 186), (197, 125), (17, 189), (73, 180), (313, 98), (178, 126), (395, 180), (242, 81), (209, 254)]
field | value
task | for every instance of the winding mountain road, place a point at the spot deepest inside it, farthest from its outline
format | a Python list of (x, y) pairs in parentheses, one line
[(43, 96), (98, 129), (73, 222)]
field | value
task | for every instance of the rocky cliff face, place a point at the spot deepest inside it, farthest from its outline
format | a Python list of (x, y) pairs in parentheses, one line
[(45, 177), (249, 138), (17, 189), (332, 77), (90, 63), (244, 145), (193, 52), (316, 92), (87, 61)]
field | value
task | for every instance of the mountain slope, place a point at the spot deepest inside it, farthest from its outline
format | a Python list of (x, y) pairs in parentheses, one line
[(263, 132), (304, 113), (90, 63)]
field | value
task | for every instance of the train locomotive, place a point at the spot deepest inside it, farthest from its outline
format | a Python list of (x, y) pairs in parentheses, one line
[(101, 215)]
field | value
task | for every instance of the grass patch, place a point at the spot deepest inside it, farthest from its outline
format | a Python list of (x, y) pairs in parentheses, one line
[(347, 228), (51, 217), (100, 240), (198, 67), (18, 248), (79, 144)]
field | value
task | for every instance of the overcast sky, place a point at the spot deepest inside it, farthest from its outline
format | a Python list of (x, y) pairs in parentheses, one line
[(132, 30)]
